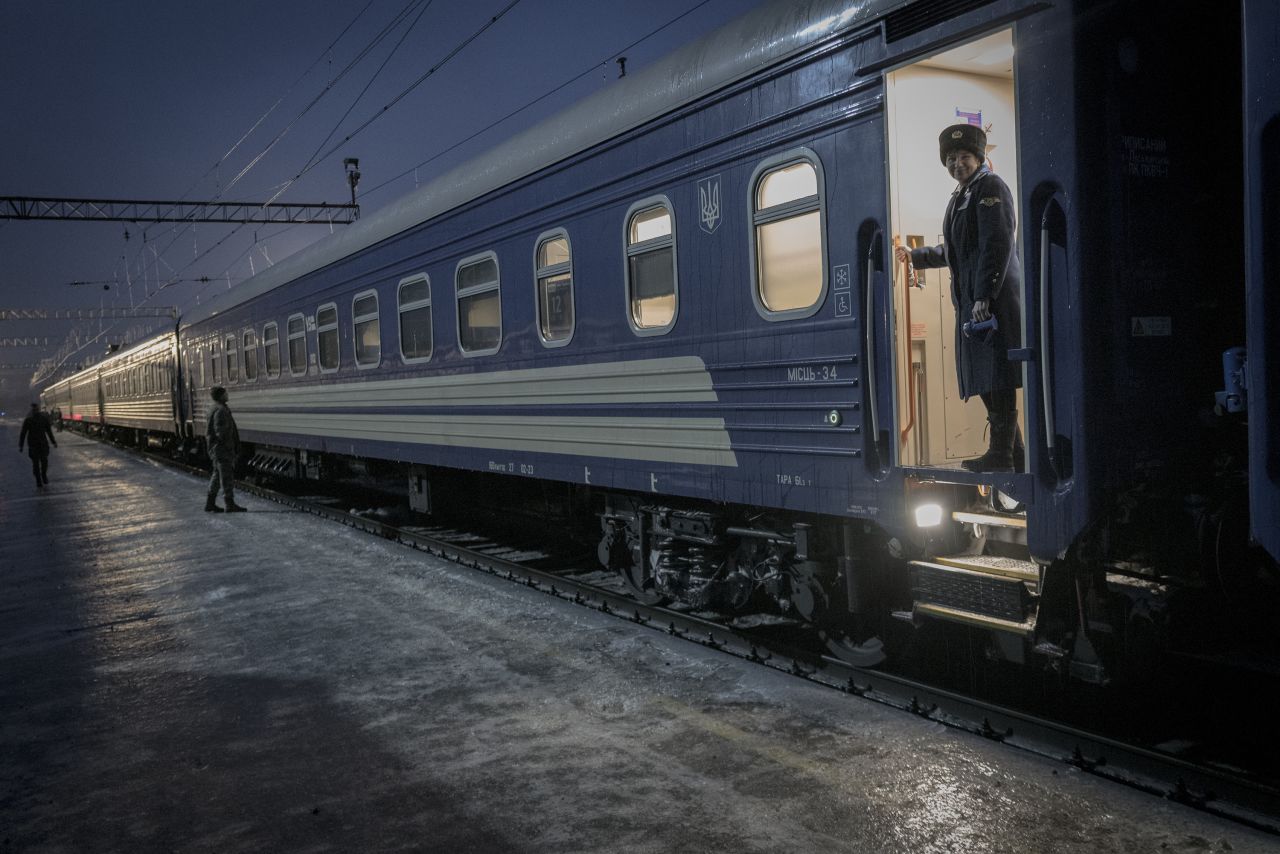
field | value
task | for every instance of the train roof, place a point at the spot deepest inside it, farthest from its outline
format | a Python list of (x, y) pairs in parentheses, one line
[(752, 42), (166, 336)]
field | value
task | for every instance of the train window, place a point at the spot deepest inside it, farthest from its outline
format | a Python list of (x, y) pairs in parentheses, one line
[(233, 359), (368, 332), (327, 338), (250, 341), (271, 346), (297, 345), (788, 252), (214, 368), (651, 267), (553, 270), (413, 298), (479, 305)]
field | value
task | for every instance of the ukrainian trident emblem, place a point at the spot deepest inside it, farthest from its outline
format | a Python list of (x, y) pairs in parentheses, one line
[(709, 204)]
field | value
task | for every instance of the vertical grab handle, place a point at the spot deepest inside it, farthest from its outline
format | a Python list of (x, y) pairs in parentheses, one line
[(1046, 283), (869, 329)]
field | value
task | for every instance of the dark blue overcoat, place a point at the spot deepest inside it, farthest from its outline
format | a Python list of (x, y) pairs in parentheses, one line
[(980, 249)]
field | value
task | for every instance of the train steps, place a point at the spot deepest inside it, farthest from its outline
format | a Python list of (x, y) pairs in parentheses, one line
[(988, 591)]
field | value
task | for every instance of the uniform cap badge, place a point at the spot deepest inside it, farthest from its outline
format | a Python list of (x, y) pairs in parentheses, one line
[(955, 134)]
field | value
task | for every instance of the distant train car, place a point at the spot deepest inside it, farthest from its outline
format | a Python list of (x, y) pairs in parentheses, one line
[(140, 393), (84, 400), (133, 395), (56, 399), (678, 302)]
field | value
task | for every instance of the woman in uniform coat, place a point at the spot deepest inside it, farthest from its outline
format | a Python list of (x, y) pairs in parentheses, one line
[(986, 281)]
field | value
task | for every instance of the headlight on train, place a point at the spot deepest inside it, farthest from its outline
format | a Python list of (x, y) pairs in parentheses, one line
[(928, 515)]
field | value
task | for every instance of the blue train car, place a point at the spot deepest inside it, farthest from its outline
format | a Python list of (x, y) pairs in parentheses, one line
[(679, 298)]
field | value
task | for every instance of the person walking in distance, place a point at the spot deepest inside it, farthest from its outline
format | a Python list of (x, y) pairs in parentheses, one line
[(37, 436), (223, 441), (979, 247)]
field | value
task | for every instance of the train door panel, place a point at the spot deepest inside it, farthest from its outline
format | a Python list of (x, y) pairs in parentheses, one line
[(1261, 27), (970, 83)]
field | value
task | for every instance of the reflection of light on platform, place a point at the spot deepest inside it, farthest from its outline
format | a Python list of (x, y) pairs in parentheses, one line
[(943, 810)]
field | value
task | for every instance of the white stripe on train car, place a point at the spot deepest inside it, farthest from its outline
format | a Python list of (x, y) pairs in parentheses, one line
[(674, 439), (691, 441), (682, 379)]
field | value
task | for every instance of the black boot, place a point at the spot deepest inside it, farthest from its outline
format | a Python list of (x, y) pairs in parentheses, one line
[(210, 507), (999, 455), (233, 507)]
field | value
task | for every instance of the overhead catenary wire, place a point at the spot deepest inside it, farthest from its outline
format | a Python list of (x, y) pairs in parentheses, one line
[(362, 93), (412, 86), (174, 277), (539, 99), (236, 145), (386, 30)]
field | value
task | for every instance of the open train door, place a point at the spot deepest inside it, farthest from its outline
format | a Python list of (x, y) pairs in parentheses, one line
[(969, 82), (1261, 34)]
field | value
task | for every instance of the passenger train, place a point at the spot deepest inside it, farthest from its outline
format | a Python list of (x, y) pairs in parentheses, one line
[(677, 304)]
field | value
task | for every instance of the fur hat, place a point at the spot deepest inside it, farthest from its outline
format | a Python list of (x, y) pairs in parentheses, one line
[(218, 393), (969, 138)]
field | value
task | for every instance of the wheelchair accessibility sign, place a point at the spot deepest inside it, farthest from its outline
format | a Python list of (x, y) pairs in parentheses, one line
[(842, 297)]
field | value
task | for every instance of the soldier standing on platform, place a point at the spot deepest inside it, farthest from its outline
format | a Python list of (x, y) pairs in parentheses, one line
[(37, 436), (223, 441)]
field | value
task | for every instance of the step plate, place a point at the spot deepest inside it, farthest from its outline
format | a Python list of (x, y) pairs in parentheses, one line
[(979, 593), (1025, 629), (1008, 567), (992, 519)]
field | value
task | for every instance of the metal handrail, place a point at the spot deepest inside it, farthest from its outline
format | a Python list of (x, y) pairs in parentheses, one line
[(869, 328), (1046, 374)]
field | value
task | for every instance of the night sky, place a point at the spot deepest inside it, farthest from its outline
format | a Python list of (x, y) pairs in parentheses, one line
[(150, 99)]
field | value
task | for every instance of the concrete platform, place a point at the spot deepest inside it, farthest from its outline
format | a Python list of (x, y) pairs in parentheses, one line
[(172, 680)]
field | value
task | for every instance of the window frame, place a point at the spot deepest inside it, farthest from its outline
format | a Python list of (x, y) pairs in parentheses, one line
[(355, 334), (306, 349), (540, 273), (215, 359), (245, 349), (629, 250), (337, 332), (401, 308), (231, 348), (266, 359), (779, 213), (474, 291)]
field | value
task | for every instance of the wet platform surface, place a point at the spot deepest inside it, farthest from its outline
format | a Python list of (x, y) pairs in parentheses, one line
[(172, 680)]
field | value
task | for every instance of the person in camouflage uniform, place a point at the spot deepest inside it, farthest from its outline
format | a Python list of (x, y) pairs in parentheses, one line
[(223, 442)]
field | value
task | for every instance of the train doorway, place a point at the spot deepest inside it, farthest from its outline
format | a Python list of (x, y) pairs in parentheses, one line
[(972, 83)]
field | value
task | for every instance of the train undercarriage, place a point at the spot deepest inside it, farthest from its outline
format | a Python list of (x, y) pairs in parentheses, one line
[(1162, 573)]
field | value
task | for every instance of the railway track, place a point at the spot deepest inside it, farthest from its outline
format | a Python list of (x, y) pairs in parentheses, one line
[(1225, 792)]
